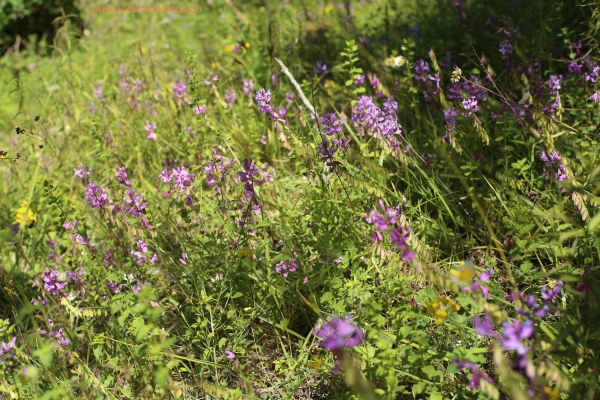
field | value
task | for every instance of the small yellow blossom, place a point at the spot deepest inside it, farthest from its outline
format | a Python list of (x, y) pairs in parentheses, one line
[(245, 252), (171, 84), (215, 65), (441, 316), (552, 393), (245, 47), (315, 363), (328, 9), (22, 212), (229, 48), (463, 274), (3, 154), (440, 308)]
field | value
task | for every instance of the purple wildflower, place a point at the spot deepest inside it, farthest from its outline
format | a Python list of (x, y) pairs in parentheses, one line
[(595, 97), (6, 349), (230, 96), (150, 129), (550, 294), (262, 99), (248, 87), (200, 109), (450, 117), (554, 83), (338, 333), (506, 49), (51, 283), (360, 80), (179, 89), (331, 124), (321, 68), (421, 69), (284, 269), (134, 203), (95, 195), (390, 107), (470, 105), (122, 177), (229, 354), (81, 172), (478, 374), (289, 97), (514, 334), (484, 326)]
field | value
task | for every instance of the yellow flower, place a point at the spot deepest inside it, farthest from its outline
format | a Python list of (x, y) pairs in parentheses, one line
[(441, 316), (433, 307), (328, 9), (552, 393), (171, 84), (214, 65), (245, 252), (3, 154), (24, 213), (440, 308), (315, 363), (245, 47), (463, 274), (229, 48)]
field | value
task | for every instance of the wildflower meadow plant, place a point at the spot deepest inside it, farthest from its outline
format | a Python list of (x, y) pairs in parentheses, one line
[(352, 207)]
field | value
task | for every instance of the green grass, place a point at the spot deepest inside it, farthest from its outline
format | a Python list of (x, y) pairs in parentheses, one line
[(161, 329)]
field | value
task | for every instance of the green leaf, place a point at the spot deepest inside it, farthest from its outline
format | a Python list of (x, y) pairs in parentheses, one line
[(430, 371), (236, 295), (418, 388)]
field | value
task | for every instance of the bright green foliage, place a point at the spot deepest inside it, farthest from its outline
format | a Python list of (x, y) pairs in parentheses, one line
[(178, 280)]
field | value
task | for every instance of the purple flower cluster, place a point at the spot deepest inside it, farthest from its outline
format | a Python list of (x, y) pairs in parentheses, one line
[(248, 87), (248, 176), (331, 124), (398, 235), (477, 285), (216, 169), (150, 129), (263, 97), (554, 84), (321, 68), (230, 96), (338, 333), (514, 335), (140, 256), (55, 285), (7, 350), (478, 374), (470, 106), (506, 49), (179, 89), (57, 335), (421, 68), (284, 269), (371, 119), (122, 177), (450, 117), (381, 221), (550, 161), (484, 326), (95, 195), (134, 204), (82, 171), (178, 178)]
